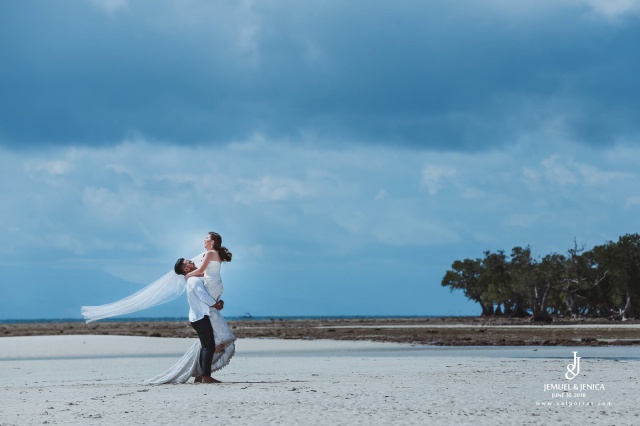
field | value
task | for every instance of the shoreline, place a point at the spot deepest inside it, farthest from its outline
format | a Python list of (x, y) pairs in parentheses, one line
[(80, 347), (446, 331)]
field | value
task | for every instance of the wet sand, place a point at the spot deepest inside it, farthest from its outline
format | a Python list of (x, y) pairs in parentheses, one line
[(457, 331)]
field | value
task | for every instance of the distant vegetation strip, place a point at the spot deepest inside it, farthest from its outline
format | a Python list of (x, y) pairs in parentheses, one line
[(601, 282), (487, 331)]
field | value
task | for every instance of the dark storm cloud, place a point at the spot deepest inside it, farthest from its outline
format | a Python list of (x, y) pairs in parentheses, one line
[(445, 75)]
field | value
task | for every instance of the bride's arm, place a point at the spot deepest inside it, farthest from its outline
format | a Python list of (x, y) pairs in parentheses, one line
[(207, 258)]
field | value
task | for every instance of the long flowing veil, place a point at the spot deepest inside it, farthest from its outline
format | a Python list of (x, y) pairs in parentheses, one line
[(165, 289)]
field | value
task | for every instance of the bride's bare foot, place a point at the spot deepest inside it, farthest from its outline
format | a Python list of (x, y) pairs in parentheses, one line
[(219, 349), (207, 379)]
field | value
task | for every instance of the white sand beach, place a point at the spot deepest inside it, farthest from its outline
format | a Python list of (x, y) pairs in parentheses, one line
[(95, 380)]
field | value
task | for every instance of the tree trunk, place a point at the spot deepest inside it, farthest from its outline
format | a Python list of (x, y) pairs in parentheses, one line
[(508, 309), (571, 305), (539, 307), (520, 311), (628, 308), (487, 310), (541, 316)]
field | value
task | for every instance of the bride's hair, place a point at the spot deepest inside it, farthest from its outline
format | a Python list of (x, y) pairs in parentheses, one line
[(223, 252)]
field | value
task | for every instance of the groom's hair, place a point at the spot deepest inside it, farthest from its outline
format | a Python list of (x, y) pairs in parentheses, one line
[(178, 267)]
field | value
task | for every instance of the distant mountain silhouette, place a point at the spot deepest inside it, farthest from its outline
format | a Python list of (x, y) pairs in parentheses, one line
[(51, 293)]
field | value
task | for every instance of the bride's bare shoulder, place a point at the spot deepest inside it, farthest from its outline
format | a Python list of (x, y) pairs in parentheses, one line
[(213, 255)]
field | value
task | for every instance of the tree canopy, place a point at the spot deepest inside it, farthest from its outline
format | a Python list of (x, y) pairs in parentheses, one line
[(601, 282)]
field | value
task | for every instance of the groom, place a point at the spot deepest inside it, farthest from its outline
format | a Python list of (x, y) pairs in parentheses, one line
[(199, 303)]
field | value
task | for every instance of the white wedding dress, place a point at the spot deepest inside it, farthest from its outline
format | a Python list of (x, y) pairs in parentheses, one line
[(189, 366)]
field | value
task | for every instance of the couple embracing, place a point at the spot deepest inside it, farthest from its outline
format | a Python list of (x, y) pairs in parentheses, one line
[(201, 279)]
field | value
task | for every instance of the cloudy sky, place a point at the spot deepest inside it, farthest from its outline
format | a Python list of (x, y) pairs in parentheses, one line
[(348, 152)]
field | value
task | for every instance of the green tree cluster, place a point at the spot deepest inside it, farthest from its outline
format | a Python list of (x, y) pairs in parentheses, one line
[(601, 282)]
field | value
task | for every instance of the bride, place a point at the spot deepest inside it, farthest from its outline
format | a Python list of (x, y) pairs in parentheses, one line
[(170, 287), (210, 268)]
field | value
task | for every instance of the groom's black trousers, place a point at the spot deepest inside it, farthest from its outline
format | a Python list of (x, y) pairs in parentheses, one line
[(205, 333)]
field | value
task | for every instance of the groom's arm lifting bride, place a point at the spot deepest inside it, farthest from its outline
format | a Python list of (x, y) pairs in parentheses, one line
[(199, 303)]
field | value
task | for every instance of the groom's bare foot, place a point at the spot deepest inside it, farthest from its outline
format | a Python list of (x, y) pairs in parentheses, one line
[(207, 379), (198, 379)]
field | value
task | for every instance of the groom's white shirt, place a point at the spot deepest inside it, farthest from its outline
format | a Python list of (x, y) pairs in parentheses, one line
[(199, 299)]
